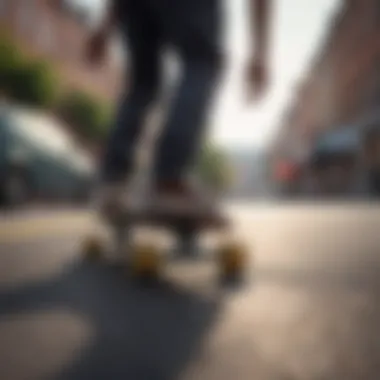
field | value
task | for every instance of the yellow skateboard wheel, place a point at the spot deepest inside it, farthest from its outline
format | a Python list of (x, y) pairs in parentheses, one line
[(146, 261), (232, 259)]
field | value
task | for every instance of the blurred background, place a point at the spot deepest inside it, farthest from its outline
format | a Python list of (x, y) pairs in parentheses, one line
[(300, 178), (308, 138)]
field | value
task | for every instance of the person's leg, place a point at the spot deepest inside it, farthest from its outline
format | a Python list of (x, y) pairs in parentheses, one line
[(142, 39), (187, 241), (193, 26)]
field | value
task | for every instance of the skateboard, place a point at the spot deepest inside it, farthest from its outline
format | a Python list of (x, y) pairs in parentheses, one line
[(146, 255)]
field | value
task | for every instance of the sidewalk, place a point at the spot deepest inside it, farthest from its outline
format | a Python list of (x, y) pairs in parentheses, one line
[(39, 211)]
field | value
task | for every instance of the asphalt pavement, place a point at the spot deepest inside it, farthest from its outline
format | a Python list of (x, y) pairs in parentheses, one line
[(309, 308)]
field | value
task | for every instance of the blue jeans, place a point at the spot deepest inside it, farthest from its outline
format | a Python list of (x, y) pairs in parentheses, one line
[(192, 29)]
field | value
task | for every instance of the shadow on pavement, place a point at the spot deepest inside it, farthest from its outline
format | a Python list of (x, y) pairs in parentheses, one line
[(140, 333)]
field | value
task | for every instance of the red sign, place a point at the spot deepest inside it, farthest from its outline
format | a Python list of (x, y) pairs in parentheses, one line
[(286, 171)]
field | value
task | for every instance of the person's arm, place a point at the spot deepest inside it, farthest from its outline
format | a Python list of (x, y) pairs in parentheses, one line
[(257, 74), (260, 17), (97, 43)]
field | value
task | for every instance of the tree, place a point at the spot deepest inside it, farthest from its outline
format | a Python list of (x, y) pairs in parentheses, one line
[(88, 115)]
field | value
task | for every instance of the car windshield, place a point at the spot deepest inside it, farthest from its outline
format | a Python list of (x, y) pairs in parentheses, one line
[(41, 131)]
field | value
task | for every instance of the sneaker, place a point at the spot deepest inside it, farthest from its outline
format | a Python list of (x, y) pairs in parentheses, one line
[(181, 198), (111, 199)]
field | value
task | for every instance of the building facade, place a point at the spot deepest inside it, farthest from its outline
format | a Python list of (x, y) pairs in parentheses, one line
[(342, 86), (56, 32)]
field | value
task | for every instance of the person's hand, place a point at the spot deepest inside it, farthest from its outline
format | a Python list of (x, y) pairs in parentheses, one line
[(256, 79), (96, 47)]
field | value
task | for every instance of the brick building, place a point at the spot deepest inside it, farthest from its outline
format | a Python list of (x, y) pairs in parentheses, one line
[(56, 32), (343, 83)]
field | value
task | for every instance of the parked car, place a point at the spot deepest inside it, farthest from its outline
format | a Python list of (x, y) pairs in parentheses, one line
[(39, 159)]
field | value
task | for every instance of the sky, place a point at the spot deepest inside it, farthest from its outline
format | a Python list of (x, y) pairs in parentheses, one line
[(299, 28)]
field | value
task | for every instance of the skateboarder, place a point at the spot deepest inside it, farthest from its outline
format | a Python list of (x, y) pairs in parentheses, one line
[(193, 30)]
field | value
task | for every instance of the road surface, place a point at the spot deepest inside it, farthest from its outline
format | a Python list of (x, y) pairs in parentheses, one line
[(310, 308)]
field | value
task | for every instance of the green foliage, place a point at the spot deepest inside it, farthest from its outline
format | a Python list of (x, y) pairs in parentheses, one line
[(213, 167), (9, 55), (28, 82), (87, 114), (34, 84), (10, 61)]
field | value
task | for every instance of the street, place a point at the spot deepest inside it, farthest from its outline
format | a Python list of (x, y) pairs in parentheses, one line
[(309, 310)]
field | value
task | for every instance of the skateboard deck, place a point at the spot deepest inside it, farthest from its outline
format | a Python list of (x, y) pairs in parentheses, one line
[(146, 256), (170, 219)]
